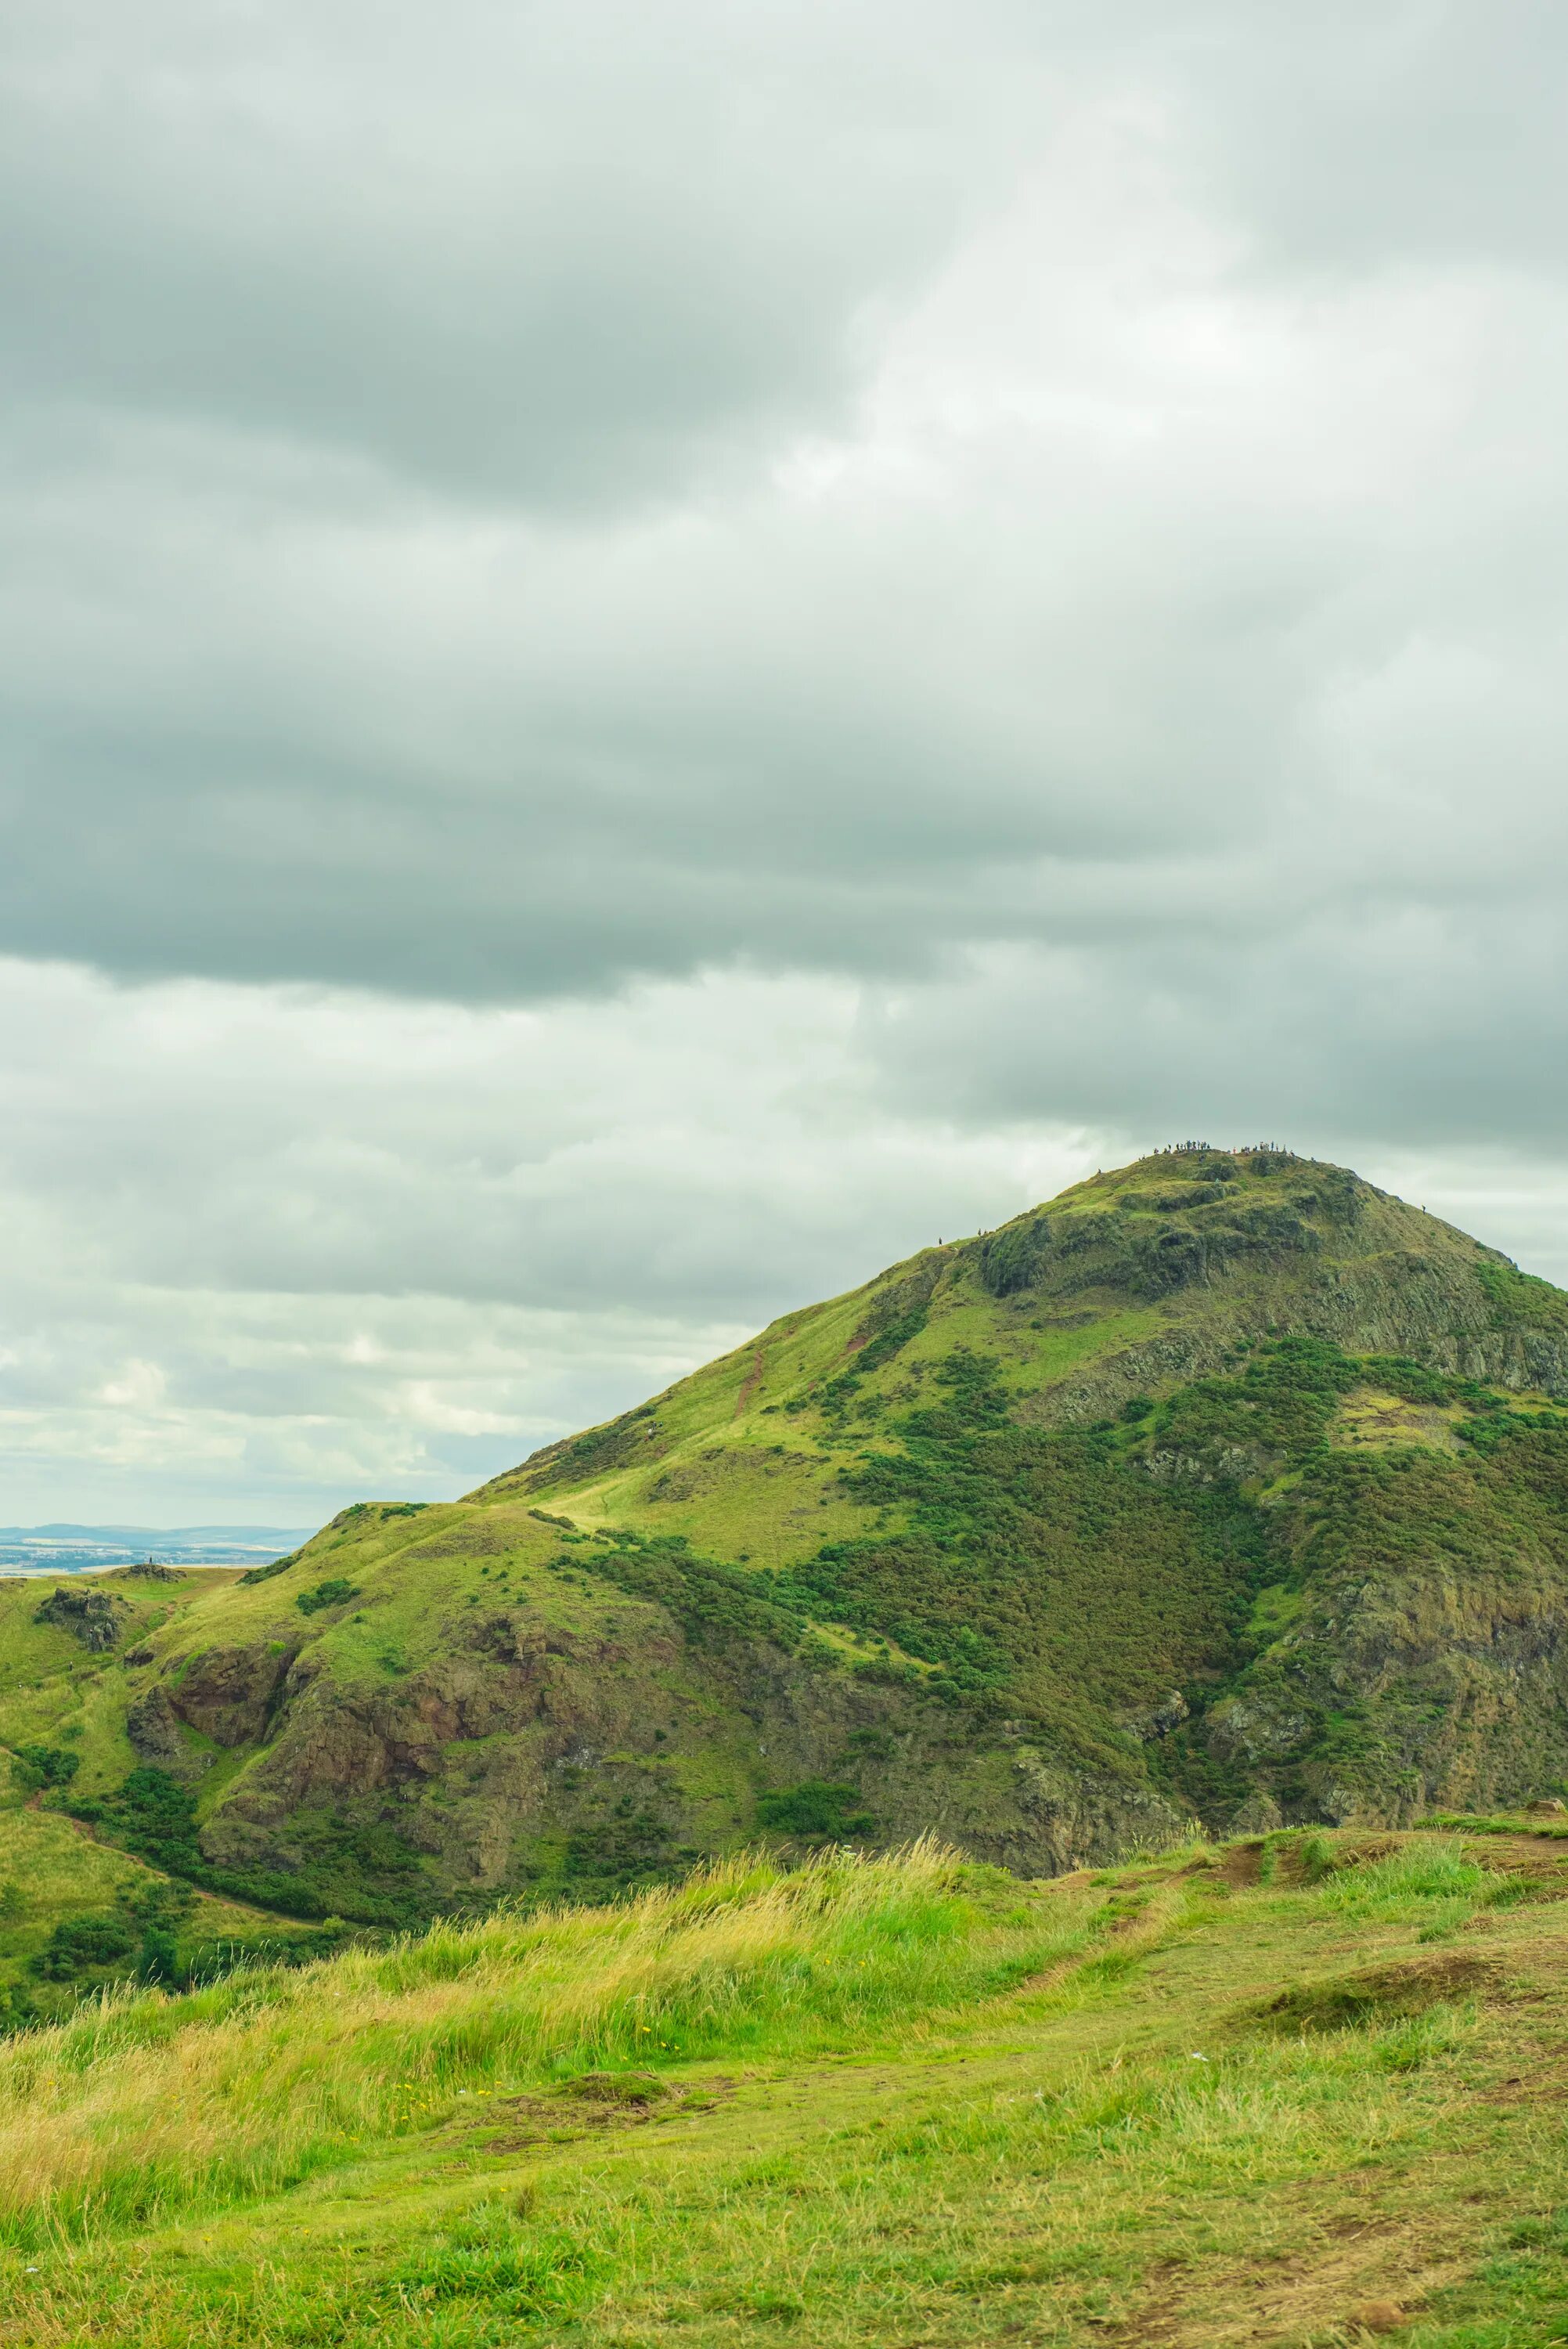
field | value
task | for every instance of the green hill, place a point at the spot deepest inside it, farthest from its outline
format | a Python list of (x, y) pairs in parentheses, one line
[(1222, 1492)]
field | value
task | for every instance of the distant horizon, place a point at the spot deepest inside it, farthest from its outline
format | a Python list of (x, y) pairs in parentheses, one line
[(126, 1527), (62, 1545)]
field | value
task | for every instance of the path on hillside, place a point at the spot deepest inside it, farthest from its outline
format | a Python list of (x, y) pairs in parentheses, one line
[(84, 1827)]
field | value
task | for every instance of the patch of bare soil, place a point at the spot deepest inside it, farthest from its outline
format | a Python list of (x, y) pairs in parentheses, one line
[(596, 2102), (1542, 1859), (1379, 1993)]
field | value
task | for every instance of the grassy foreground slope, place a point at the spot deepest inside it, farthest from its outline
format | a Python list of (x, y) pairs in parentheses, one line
[(1304, 2089), (1224, 1491)]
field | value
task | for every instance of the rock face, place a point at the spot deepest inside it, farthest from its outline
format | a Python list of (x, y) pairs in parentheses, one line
[(532, 1733), (230, 1693), (152, 1726), (90, 1616)]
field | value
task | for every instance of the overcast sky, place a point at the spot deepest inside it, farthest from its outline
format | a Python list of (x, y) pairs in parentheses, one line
[(650, 654)]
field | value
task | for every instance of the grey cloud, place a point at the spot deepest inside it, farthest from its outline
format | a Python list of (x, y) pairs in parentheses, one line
[(549, 255), (1369, 1022), (1062, 523), (1085, 579), (681, 1154), (1424, 130), (521, 765)]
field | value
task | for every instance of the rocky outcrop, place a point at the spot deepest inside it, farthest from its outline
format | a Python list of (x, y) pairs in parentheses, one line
[(93, 1617), (230, 1693), (152, 1725), (1434, 1688), (513, 1677), (529, 1730)]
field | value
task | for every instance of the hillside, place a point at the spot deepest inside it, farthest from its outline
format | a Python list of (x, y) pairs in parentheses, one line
[(1222, 1492), (1302, 2090)]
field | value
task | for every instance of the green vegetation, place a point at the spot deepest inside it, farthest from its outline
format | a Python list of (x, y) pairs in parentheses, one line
[(47, 1766), (1225, 1490), (873, 2101), (344, 1871), (817, 1808), (77, 1916), (83, 1945), (1520, 1299), (333, 1592)]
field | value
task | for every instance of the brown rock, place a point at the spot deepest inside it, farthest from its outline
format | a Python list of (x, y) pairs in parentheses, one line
[(152, 1726), (228, 1694)]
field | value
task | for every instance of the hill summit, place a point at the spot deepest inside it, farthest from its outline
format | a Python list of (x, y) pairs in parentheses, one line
[(1223, 1488)]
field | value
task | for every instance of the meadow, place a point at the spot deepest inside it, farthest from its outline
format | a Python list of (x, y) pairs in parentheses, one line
[(1302, 2089)]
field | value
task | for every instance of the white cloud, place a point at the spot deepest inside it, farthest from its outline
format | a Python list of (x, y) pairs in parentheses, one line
[(139, 1387)]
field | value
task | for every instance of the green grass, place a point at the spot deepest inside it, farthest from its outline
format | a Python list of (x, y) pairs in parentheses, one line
[(871, 2102), (1052, 1537)]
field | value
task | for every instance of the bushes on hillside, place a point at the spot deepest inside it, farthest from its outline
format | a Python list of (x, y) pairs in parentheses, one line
[(47, 1766), (333, 1592), (359, 1870), (816, 1810), (82, 1944)]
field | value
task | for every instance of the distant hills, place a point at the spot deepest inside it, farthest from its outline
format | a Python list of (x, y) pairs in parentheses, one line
[(68, 1549), (1223, 1489)]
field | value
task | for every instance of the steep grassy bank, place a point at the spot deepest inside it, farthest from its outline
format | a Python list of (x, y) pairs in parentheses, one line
[(1298, 2090)]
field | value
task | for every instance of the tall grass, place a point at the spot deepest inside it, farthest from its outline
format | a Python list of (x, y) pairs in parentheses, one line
[(146, 2105), (1429, 1882)]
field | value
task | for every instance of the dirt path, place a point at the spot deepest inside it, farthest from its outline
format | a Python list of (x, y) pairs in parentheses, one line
[(84, 1827)]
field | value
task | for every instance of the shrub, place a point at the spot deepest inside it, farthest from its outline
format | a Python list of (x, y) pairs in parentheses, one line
[(817, 1806), (80, 1944), (48, 1765), (333, 1592)]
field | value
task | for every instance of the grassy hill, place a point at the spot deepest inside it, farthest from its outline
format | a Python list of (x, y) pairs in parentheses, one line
[(1303, 2089), (1223, 1493)]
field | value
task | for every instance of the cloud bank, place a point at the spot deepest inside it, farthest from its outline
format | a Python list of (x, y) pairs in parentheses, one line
[(645, 658)]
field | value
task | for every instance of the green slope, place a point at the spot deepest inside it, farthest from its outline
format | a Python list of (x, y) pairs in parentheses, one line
[(1223, 1491), (1304, 2090)]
